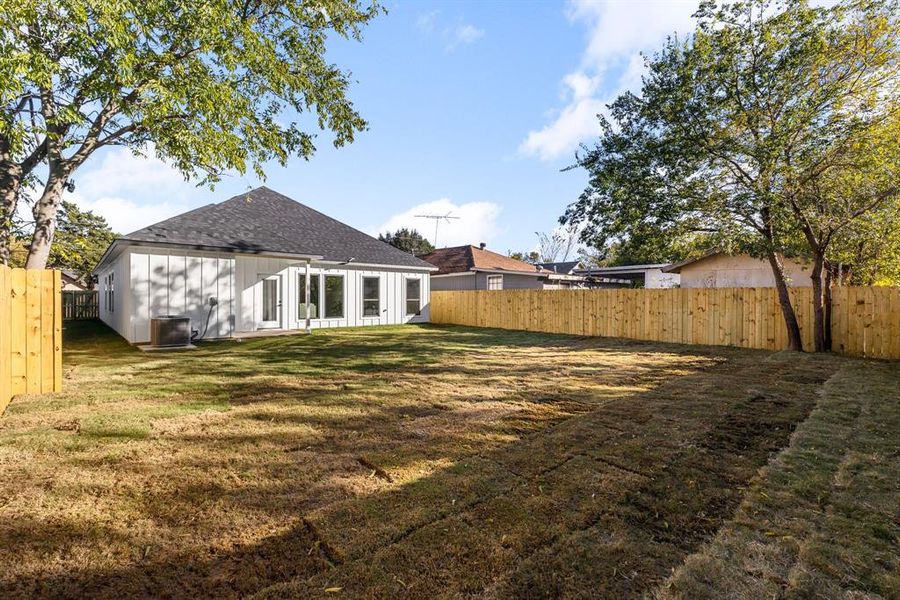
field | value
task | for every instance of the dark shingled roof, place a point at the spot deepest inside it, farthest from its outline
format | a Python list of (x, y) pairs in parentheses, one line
[(263, 220), (560, 267)]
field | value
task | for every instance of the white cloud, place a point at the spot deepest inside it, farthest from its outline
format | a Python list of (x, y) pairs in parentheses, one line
[(617, 32), (577, 121), (463, 35), (425, 21), (477, 222), (453, 36), (125, 216), (131, 191), (120, 170), (619, 29)]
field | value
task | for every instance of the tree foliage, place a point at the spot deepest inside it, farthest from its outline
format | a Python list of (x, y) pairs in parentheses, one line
[(532, 257), (743, 130), (868, 251), (210, 86), (81, 239), (408, 240)]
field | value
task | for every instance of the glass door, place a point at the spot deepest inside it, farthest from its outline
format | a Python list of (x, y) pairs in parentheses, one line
[(270, 303)]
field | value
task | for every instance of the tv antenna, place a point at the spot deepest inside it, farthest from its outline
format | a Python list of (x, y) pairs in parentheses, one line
[(437, 221)]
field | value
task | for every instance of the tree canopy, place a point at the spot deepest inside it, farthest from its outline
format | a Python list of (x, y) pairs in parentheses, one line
[(211, 86), (770, 130), (533, 256), (81, 239), (408, 240)]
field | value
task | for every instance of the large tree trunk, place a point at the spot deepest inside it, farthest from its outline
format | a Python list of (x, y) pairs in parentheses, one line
[(45, 219), (829, 282), (795, 342), (9, 193), (818, 293)]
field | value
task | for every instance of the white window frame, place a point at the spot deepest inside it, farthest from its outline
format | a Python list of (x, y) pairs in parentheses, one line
[(363, 298), (301, 301), (494, 278), (406, 299), (324, 288)]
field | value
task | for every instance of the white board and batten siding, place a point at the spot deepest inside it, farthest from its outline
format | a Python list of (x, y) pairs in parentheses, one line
[(175, 282), (116, 314), (250, 271), (151, 282)]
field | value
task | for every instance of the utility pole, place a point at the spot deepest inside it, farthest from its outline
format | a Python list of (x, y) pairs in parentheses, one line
[(437, 221)]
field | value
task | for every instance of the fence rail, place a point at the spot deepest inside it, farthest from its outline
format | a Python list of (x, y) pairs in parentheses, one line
[(30, 333), (865, 320), (79, 305)]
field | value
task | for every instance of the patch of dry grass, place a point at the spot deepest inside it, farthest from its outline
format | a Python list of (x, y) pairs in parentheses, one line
[(418, 461), (823, 520)]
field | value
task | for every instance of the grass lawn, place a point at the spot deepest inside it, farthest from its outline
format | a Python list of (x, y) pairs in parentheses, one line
[(427, 461)]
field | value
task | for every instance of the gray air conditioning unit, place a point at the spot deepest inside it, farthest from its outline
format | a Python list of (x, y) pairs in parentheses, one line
[(168, 331)]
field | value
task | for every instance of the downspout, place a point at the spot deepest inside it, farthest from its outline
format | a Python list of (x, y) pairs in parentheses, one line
[(306, 299)]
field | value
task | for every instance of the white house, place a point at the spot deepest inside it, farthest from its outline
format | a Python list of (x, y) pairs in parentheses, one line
[(717, 269), (242, 265)]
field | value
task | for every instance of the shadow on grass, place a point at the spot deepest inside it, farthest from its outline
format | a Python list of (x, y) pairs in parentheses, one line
[(605, 478)]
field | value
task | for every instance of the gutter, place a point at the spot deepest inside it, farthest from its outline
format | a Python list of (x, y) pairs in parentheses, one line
[(374, 265)]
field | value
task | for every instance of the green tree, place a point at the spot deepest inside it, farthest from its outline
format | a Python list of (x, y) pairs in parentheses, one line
[(533, 257), (408, 240), (739, 127), (647, 249), (867, 252), (80, 240), (208, 85)]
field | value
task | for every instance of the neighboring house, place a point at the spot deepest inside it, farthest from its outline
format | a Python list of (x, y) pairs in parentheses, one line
[(241, 265), (474, 268), (71, 281), (565, 267), (717, 269), (649, 276)]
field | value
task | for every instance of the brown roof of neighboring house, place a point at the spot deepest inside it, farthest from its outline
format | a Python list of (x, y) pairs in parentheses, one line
[(460, 259)]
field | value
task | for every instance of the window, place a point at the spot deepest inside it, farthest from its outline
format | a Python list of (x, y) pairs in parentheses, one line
[(495, 282), (413, 296), (334, 296), (313, 296), (371, 297), (111, 292)]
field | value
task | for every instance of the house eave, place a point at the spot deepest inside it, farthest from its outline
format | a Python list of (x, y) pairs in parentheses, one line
[(376, 265), (126, 243)]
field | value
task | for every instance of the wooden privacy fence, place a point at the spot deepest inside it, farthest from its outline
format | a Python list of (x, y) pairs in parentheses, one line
[(865, 320), (30, 333), (79, 305)]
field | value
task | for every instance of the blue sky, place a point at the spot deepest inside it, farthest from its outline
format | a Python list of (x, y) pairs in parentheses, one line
[(474, 107)]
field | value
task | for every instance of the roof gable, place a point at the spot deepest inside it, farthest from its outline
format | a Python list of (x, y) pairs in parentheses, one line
[(263, 220), (564, 267)]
